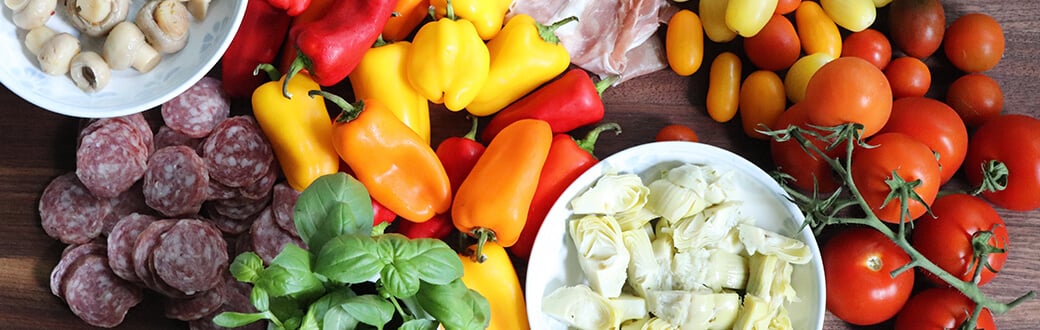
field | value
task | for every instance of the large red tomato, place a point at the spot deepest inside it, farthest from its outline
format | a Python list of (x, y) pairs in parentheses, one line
[(936, 125), (872, 168), (976, 97), (849, 90), (945, 237), (940, 309), (857, 264), (1014, 140), (974, 42), (806, 169)]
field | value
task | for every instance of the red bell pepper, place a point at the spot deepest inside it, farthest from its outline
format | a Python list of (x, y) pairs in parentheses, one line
[(330, 48), (568, 159), (382, 214), (259, 39), (458, 154), (566, 103), (291, 7), (314, 12), (439, 227)]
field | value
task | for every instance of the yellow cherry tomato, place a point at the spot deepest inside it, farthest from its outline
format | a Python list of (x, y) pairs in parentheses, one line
[(798, 74), (684, 43), (854, 15), (724, 87), (762, 100), (713, 17), (816, 30), (747, 17)]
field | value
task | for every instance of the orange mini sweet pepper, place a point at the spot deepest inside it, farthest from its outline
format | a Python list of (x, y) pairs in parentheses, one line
[(400, 170), (493, 201), (381, 76), (409, 14)]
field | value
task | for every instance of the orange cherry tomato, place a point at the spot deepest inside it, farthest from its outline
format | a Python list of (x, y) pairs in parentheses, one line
[(724, 87), (976, 97), (908, 76), (784, 7), (847, 90), (816, 30), (776, 46), (974, 42), (676, 132), (684, 43), (762, 101), (870, 45)]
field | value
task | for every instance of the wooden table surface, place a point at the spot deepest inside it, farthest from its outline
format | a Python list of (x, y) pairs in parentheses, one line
[(37, 145)]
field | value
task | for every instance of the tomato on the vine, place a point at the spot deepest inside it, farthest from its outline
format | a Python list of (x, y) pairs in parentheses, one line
[(846, 90), (870, 45), (895, 154), (908, 76), (858, 264), (976, 97), (676, 132), (1015, 141), (917, 27), (945, 237), (974, 42), (805, 169), (936, 125), (939, 309)]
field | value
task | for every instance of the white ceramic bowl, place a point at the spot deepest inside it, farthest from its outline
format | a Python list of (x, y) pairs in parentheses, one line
[(128, 91), (554, 261)]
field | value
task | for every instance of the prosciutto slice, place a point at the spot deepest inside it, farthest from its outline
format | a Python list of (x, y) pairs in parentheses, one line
[(611, 37)]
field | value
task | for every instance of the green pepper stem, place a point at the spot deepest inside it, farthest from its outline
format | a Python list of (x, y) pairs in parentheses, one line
[(605, 83), (472, 134), (483, 236), (379, 41), (548, 32), (589, 142), (299, 63), (272, 72), (350, 110)]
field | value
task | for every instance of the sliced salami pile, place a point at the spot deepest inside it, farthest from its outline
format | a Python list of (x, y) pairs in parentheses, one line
[(159, 211)]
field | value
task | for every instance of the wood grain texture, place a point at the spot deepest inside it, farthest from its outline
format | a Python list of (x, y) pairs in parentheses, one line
[(36, 145)]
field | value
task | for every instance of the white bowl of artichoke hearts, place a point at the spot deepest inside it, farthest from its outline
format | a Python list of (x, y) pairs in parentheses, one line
[(107, 58), (675, 235)]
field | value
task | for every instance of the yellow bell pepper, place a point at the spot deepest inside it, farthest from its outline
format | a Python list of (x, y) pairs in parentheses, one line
[(299, 128), (495, 278), (524, 55), (449, 62), (487, 15), (380, 75)]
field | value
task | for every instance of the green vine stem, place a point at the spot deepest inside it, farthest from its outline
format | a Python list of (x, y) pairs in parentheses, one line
[(821, 211)]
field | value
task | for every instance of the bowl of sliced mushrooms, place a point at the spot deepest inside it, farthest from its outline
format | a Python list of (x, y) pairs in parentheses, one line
[(107, 58), (675, 235)]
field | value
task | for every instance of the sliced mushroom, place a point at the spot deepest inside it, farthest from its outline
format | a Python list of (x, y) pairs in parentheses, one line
[(30, 14), (198, 8), (96, 17), (164, 24), (125, 47), (89, 71), (56, 54), (36, 37)]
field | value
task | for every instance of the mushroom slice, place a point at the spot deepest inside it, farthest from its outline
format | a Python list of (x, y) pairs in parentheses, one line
[(30, 14), (89, 71), (125, 47), (96, 17), (56, 54), (36, 37), (164, 24)]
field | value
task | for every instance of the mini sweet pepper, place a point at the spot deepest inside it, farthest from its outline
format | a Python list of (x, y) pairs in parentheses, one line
[(487, 15), (409, 14), (449, 62), (524, 55), (495, 278), (380, 75)]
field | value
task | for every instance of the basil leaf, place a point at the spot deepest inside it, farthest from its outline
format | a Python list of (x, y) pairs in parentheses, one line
[(236, 319), (455, 305), (321, 306), (280, 281), (400, 247), (481, 309), (284, 310), (338, 221), (338, 318), (437, 262), (401, 279), (316, 202), (370, 309), (309, 321), (247, 267), (419, 324), (349, 259), (260, 299)]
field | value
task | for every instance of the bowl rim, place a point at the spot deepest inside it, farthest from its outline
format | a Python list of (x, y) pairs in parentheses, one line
[(678, 151)]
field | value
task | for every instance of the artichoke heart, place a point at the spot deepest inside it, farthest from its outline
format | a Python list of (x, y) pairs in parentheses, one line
[(687, 190), (707, 228), (612, 194), (581, 308), (759, 240), (601, 252), (644, 273), (709, 268), (710, 311)]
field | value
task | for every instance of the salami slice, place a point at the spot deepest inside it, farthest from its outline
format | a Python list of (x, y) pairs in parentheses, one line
[(217, 190), (191, 256), (111, 157), (262, 188), (70, 258), (196, 306), (69, 212), (98, 296), (144, 245), (198, 110), (236, 299), (176, 181), (167, 137), (241, 208), (237, 153), (129, 202), (268, 238), (283, 203), (226, 224), (121, 244)]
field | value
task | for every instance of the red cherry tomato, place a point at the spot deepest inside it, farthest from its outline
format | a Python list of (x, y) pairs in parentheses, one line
[(847, 90), (974, 42), (805, 169), (784, 7), (1015, 141), (858, 264), (776, 46), (936, 125), (870, 45), (910, 159), (939, 309), (676, 132), (908, 76), (976, 97), (945, 237)]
